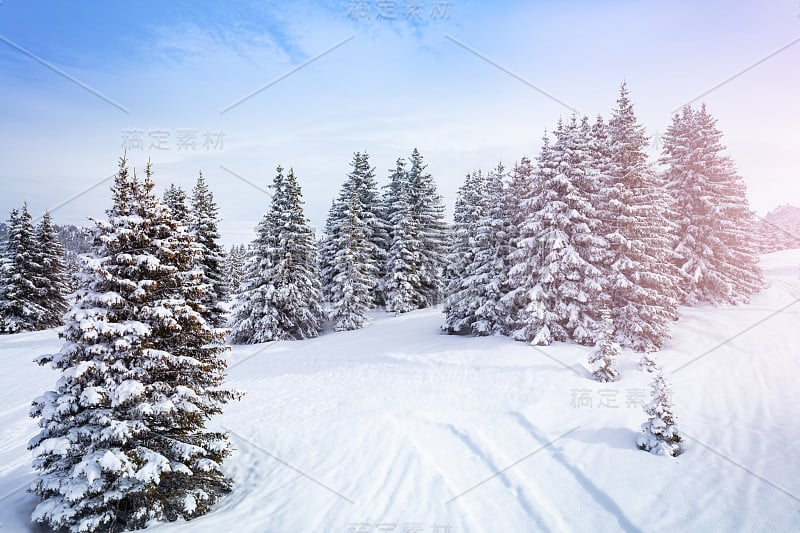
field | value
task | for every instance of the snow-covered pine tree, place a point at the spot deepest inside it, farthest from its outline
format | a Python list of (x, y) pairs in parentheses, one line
[(296, 272), (569, 281), (603, 360), (175, 199), (50, 256), (327, 247), (252, 317), (526, 304), (73, 267), (360, 183), (353, 271), (203, 227), (76, 241), (487, 278), (469, 206), (376, 231), (718, 244), (427, 212), (402, 283), (641, 283), (23, 281), (522, 195), (234, 267), (647, 362), (660, 433), (123, 439), (281, 293)]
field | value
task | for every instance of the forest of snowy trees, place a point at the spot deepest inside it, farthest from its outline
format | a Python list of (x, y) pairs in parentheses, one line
[(589, 229), (33, 279), (384, 248), (590, 242), (592, 228)]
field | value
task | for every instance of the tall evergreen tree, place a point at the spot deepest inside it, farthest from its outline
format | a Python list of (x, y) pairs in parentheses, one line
[(376, 231), (50, 256), (402, 280), (123, 437), (717, 248), (361, 184), (354, 271), (568, 278), (485, 279), (23, 281), (175, 199), (203, 225), (642, 285), (427, 212), (469, 207), (252, 315), (526, 301), (281, 294), (522, 201), (327, 247), (490, 277)]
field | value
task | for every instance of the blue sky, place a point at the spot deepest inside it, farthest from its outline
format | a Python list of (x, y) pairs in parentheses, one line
[(80, 80)]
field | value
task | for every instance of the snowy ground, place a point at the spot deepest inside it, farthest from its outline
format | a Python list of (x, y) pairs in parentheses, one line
[(399, 428)]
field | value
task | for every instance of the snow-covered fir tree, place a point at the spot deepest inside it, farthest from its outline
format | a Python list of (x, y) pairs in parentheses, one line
[(361, 184), (469, 206), (402, 283), (234, 268), (718, 242), (641, 285), (50, 257), (660, 434), (427, 212), (522, 201), (202, 222), (486, 278), (647, 362), (123, 439), (281, 293), (375, 227), (353, 271), (603, 360), (73, 267), (175, 199), (22, 280), (568, 279), (76, 241), (252, 316)]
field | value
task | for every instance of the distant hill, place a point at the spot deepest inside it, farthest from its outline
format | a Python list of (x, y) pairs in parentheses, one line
[(76, 240), (780, 229)]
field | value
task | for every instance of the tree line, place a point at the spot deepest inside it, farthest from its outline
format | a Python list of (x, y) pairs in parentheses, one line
[(541, 253), (591, 228)]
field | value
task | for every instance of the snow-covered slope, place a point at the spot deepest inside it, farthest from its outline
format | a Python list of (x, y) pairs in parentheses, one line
[(398, 425)]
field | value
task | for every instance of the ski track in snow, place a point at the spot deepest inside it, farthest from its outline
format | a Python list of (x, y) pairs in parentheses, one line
[(399, 425)]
